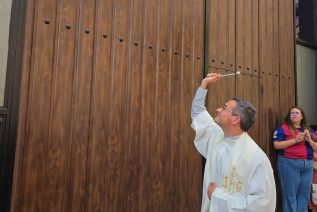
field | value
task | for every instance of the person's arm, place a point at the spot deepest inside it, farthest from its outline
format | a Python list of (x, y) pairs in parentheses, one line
[(203, 123), (280, 143), (309, 139), (285, 144), (198, 105), (261, 195)]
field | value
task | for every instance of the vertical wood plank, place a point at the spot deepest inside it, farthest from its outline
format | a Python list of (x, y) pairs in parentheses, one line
[(61, 110), (254, 93), (195, 176), (223, 42), (286, 55), (77, 178), (162, 102), (99, 197), (187, 83), (212, 16), (231, 24), (199, 43), (118, 108), (39, 106), (255, 37), (212, 33), (241, 47), (226, 53), (248, 34), (148, 117), (262, 67), (175, 185), (100, 184), (240, 36), (132, 180)]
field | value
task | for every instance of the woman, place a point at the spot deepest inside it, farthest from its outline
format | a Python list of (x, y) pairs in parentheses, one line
[(295, 145)]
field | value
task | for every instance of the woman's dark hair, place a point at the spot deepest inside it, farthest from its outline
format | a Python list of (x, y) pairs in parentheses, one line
[(303, 124)]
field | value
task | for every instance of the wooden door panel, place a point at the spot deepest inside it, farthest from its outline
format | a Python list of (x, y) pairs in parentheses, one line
[(39, 107), (108, 107), (59, 142)]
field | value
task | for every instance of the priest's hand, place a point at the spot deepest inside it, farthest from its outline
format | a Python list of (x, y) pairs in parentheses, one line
[(211, 188), (210, 78)]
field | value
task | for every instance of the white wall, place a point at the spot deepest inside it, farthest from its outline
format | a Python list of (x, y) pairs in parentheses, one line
[(307, 81), (5, 12)]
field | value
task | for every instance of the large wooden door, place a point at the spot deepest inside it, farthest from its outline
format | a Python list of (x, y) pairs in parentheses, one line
[(106, 95), (105, 107)]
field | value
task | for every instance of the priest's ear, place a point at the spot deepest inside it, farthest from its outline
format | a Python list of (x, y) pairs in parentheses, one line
[(235, 120)]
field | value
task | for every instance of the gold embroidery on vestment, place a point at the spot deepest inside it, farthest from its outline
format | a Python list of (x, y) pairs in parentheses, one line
[(231, 183)]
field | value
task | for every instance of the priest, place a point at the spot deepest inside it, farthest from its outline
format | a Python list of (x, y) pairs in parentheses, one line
[(238, 176)]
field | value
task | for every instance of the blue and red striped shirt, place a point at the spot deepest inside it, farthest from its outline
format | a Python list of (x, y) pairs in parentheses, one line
[(301, 150)]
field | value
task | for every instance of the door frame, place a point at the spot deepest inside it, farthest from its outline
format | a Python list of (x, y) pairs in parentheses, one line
[(10, 108)]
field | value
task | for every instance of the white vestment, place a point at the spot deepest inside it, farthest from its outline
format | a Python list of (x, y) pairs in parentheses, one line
[(241, 170)]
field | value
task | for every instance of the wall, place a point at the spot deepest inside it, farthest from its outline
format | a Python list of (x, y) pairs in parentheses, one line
[(306, 81)]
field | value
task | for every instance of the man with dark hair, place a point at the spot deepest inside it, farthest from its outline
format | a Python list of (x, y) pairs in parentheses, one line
[(238, 175)]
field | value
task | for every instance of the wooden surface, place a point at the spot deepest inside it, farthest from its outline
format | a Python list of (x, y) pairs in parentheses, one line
[(105, 110), (255, 38), (106, 96)]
